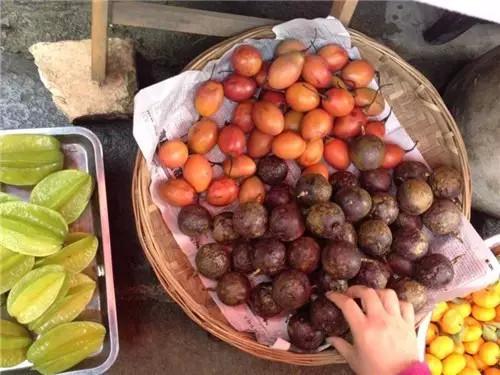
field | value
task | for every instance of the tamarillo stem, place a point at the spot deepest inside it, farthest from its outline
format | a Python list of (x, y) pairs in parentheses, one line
[(213, 71), (314, 39), (379, 90), (457, 258), (275, 90), (230, 166), (459, 238), (255, 273), (177, 172), (388, 115), (377, 77), (322, 96), (413, 147)]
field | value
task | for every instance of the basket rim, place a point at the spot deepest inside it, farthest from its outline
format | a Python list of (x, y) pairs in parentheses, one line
[(216, 328)]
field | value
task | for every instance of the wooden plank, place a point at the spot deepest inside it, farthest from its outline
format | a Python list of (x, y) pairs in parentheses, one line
[(344, 10), (166, 17), (99, 36)]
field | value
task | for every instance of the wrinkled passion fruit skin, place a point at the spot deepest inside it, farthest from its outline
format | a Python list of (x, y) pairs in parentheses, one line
[(342, 260), (410, 243), (367, 152), (372, 274), (376, 180), (411, 291), (414, 196), (327, 317), (272, 170), (346, 232), (446, 182), (303, 254), (302, 334), (223, 230), (269, 256), (250, 220), (443, 217), (277, 196), (262, 302), (291, 289), (434, 271), (410, 169), (324, 282), (212, 261), (384, 207), (194, 220), (233, 289), (374, 237), (343, 179), (286, 222), (242, 257), (405, 220), (400, 265), (311, 189), (355, 202), (325, 219)]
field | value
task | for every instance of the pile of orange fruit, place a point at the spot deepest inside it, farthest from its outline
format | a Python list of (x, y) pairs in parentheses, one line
[(464, 335)]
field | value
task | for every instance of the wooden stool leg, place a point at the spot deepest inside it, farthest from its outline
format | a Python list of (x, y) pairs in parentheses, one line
[(343, 10), (99, 39)]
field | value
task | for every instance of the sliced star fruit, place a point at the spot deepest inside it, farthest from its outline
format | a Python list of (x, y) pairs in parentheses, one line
[(13, 266), (4, 197), (65, 346), (67, 192), (76, 255), (25, 159), (31, 296), (14, 343), (31, 229), (69, 307)]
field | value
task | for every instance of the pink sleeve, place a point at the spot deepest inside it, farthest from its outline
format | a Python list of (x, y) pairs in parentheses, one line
[(416, 368)]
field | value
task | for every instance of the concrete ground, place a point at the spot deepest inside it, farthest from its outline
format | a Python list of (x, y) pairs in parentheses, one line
[(156, 337)]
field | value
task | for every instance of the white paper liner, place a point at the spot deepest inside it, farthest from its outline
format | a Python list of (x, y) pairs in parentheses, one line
[(166, 111)]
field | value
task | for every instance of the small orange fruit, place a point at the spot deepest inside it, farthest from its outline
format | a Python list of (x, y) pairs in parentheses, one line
[(479, 362), (432, 332), (484, 314), (453, 364), (486, 298), (470, 362), (439, 311), (469, 371), (472, 347), (441, 347), (451, 322), (489, 353), (471, 333), (491, 371), (463, 308), (435, 365)]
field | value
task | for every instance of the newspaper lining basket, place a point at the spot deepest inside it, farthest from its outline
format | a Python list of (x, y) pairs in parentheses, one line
[(418, 107)]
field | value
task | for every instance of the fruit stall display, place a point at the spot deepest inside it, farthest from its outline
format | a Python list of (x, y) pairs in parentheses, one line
[(307, 237), (464, 334), (276, 243), (45, 261)]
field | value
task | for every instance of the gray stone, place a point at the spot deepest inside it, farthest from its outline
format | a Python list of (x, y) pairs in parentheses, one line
[(472, 98), (24, 101), (65, 69)]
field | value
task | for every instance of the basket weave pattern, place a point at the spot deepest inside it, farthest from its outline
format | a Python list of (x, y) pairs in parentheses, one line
[(418, 107)]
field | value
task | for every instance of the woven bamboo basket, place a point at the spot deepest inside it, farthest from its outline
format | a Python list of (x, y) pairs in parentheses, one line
[(420, 110)]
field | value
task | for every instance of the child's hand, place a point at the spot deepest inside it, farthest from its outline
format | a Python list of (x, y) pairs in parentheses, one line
[(383, 331)]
